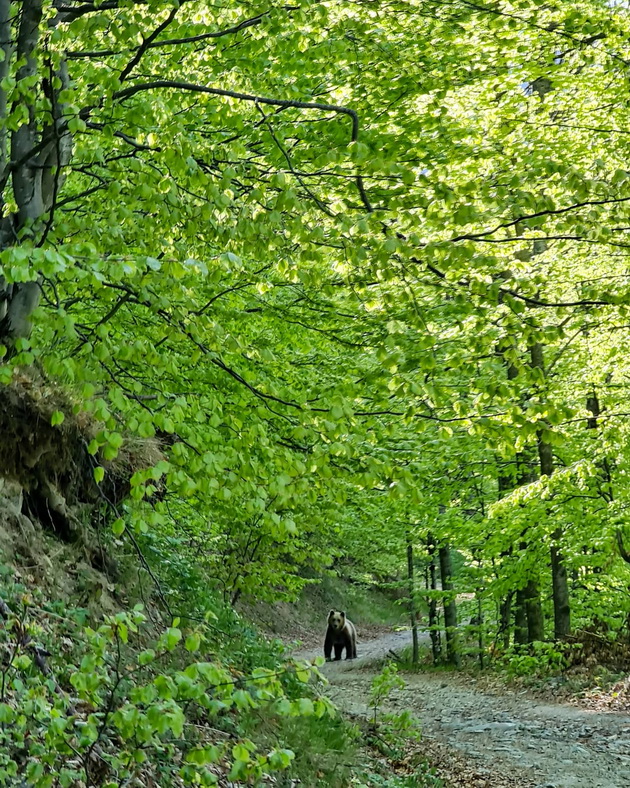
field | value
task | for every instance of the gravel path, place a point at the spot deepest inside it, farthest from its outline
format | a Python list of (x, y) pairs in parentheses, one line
[(536, 744)]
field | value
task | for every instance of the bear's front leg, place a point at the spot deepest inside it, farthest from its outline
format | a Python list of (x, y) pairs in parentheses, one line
[(328, 647)]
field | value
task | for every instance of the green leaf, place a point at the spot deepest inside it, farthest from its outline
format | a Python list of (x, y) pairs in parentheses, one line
[(172, 637), (305, 707), (281, 759), (240, 753), (7, 714), (146, 657), (118, 527)]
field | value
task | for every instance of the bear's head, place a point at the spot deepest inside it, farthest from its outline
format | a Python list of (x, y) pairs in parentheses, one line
[(337, 620)]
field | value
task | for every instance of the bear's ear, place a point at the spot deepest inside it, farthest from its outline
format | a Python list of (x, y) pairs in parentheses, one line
[(343, 613), (332, 613)]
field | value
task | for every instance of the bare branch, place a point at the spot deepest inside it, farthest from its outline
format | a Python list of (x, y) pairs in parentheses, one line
[(66, 12), (125, 93), (526, 217), (146, 43), (121, 135), (228, 31)]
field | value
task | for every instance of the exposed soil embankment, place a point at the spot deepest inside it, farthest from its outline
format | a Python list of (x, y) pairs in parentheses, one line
[(52, 510)]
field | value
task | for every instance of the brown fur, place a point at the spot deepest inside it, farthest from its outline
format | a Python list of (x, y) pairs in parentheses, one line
[(341, 634)]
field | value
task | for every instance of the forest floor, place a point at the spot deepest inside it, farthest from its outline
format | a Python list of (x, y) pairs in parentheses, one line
[(491, 738)]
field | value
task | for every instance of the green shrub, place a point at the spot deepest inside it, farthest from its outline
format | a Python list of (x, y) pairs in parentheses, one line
[(390, 732), (535, 659), (325, 750), (423, 777), (112, 703)]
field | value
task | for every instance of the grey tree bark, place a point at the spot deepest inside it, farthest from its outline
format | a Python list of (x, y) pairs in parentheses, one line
[(505, 617), (528, 613), (450, 606), (32, 157), (413, 613), (480, 633), (434, 632), (520, 618), (533, 607), (559, 579)]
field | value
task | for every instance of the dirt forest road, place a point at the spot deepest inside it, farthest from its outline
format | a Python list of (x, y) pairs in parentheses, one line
[(533, 744)]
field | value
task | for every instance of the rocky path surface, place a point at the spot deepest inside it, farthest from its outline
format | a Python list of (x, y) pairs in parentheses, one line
[(535, 745)]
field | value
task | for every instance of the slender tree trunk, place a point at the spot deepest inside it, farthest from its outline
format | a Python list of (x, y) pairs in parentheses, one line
[(39, 153), (507, 480), (434, 632), (533, 606), (592, 403), (450, 606), (560, 583), (505, 484), (412, 602), (505, 617), (480, 643), (479, 599), (529, 622), (520, 618), (6, 43)]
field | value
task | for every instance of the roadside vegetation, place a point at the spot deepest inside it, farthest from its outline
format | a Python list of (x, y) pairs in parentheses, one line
[(325, 291)]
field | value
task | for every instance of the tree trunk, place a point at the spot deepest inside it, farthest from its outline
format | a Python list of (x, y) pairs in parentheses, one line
[(480, 630), (533, 606), (6, 43), (39, 152), (505, 484), (520, 618), (507, 480), (560, 583), (415, 657), (436, 645), (592, 404), (505, 616), (529, 619), (450, 606)]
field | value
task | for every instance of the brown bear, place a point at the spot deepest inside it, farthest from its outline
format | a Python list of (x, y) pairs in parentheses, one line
[(340, 634)]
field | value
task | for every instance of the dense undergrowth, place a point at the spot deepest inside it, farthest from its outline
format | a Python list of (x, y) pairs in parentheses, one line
[(591, 664), (139, 697), (120, 663), (84, 702)]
